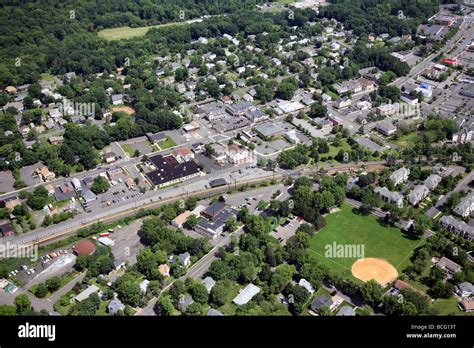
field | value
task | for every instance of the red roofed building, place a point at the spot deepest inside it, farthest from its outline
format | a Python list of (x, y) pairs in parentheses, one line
[(452, 62), (84, 247)]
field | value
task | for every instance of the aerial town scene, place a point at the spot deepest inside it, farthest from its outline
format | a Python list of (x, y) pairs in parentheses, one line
[(237, 158)]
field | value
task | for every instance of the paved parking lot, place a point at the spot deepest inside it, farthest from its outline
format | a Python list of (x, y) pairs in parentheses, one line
[(6, 181), (116, 194), (314, 131), (286, 230), (272, 147), (251, 198), (26, 174), (127, 242)]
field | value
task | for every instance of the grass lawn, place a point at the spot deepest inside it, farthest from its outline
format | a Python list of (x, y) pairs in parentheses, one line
[(408, 141), (127, 32), (347, 227), (164, 144), (128, 149), (47, 77), (334, 150), (230, 308), (333, 95), (103, 308), (448, 307)]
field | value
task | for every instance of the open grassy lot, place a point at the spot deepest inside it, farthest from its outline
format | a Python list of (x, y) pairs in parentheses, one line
[(408, 141), (164, 144), (448, 307), (129, 150), (121, 33), (348, 227)]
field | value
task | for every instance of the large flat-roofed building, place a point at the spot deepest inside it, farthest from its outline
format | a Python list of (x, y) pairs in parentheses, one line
[(269, 131), (169, 171)]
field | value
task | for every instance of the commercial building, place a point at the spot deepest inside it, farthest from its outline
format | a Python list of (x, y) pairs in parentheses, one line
[(167, 171)]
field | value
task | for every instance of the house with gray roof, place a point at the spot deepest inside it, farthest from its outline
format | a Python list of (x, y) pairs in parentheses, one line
[(208, 283), (319, 302), (466, 206), (114, 306), (184, 302), (389, 196), (449, 266), (386, 128), (399, 176), (185, 258), (117, 99), (456, 226), (419, 193), (432, 181), (465, 289)]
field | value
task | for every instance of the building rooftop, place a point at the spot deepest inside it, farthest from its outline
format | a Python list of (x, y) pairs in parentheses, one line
[(246, 294)]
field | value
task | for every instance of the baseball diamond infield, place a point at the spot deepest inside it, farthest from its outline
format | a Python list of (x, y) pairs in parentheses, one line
[(380, 270)]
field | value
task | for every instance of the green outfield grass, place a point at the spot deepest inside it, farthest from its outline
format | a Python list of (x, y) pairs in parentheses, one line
[(347, 227)]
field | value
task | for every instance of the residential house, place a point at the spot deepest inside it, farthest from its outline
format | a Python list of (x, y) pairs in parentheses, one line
[(117, 99), (183, 154), (466, 206), (467, 305), (114, 306), (109, 157), (465, 289), (6, 229), (184, 303), (156, 138), (399, 176), (320, 302), (112, 173), (419, 193), (215, 227), (389, 197), (185, 259), (342, 103), (462, 136), (10, 202), (458, 227), (208, 283), (164, 269), (432, 181), (386, 109), (45, 174), (214, 313), (386, 128), (449, 266), (213, 210)]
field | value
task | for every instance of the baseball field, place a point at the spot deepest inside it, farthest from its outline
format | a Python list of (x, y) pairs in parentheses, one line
[(382, 251)]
